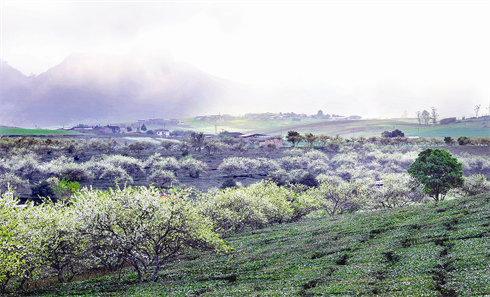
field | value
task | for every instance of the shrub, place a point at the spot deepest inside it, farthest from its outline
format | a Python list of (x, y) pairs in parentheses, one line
[(43, 189), (131, 165), (463, 140), (167, 164), (316, 167), (476, 184), (140, 146), (214, 145), (65, 189), (233, 165), (233, 210), (297, 175), (294, 152), (448, 140), (396, 192), (116, 174), (168, 144), (73, 172), (333, 198), (193, 167), (315, 155), (308, 180), (12, 181), (280, 177), (24, 165), (229, 183), (267, 165), (162, 178), (290, 163)]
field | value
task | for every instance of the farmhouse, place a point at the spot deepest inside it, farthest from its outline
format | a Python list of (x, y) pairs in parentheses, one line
[(162, 132)]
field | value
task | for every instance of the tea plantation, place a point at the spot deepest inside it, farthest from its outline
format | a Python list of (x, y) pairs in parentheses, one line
[(424, 250)]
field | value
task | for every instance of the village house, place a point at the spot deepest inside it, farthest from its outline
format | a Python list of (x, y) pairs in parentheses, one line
[(162, 132)]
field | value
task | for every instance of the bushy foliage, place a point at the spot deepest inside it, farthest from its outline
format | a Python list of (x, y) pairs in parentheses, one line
[(167, 164), (317, 167), (290, 163), (162, 177), (139, 146), (474, 163), (255, 206), (43, 189), (229, 183), (438, 171), (169, 144), (193, 167), (267, 166), (308, 180), (234, 165), (476, 184), (212, 146), (115, 174), (397, 191), (463, 140), (12, 181), (137, 226), (131, 165), (281, 177), (23, 165), (334, 198), (11, 253), (142, 227), (73, 172), (294, 152)]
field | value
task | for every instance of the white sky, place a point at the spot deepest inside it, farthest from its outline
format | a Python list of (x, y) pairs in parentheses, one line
[(421, 48)]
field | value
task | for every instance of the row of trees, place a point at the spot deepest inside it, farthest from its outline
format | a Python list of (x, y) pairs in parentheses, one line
[(425, 116)]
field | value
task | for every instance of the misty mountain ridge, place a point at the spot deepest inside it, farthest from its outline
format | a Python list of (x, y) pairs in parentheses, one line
[(102, 88), (94, 88)]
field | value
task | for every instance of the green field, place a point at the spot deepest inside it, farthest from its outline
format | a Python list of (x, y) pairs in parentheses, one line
[(356, 128), (33, 132), (423, 250)]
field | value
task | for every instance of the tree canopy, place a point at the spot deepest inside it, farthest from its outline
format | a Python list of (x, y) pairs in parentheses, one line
[(438, 171)]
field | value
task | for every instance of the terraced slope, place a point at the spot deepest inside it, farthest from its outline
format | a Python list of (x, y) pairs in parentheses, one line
[(424, 250)]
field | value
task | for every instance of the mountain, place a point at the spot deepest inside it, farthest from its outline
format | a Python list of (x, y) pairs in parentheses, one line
[(102, 88)]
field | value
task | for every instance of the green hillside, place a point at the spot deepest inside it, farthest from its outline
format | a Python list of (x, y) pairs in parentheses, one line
[(424, 250), (33, 132), (366, 128)]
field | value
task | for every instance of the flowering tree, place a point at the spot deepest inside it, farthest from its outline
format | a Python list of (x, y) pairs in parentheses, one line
[(143, 227)]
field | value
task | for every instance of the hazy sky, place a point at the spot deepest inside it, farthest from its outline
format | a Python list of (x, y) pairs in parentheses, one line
[(416, 49)]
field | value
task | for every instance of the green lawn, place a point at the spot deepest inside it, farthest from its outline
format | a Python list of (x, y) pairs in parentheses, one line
[(423, 250)]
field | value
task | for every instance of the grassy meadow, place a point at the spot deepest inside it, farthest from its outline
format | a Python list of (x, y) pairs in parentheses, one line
[(32, 132), (422, 250), (346, 129)]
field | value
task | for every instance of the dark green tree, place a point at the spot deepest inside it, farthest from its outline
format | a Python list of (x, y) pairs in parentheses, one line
[(143, 127), (448, 140), (294, 137), (438, 171), (129, 129)]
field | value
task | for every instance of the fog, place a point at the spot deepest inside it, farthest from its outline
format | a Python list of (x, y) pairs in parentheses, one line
[(372, 58)]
